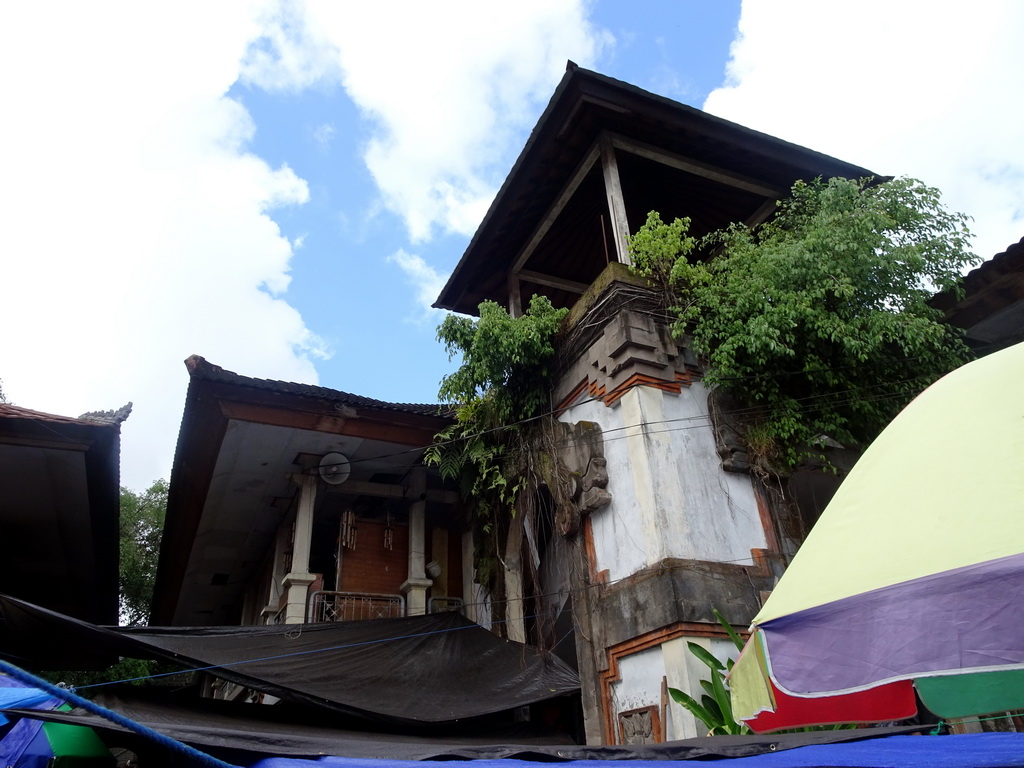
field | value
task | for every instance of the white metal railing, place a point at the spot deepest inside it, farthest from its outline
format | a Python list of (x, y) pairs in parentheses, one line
[(325, 605)]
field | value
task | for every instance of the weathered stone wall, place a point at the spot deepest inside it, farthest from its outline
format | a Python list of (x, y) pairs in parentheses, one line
[(678, 536)]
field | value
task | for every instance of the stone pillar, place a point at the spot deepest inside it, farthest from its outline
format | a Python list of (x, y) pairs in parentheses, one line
[(298, 579), (416, 584)]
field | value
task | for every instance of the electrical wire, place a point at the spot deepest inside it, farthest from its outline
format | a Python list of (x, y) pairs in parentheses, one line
[(574, 592), (816, 403)]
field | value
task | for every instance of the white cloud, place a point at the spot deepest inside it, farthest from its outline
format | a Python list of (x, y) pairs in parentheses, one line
[(292, 52), (903, 88), (446, 86), (426, 281), (136, 228)]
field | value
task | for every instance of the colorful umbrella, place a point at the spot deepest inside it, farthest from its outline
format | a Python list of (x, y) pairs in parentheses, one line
[(913, 577), (31, 743)]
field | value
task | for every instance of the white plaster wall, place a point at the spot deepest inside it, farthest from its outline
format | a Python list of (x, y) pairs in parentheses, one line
[(641, 676), (670, 496), (619, 543), (639, 684)]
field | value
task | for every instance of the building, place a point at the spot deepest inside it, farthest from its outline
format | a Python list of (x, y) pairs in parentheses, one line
[(681, 526), (991, 311), (293, 503), (261, 529), (59, 480)]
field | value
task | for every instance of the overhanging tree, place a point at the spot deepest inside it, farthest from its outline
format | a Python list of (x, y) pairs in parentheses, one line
[(503, 381), (818, 322), (501, 447), (142, 526)]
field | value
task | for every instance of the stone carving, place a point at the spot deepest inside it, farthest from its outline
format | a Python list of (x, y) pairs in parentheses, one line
[(728, 431), (108, 417), (638, 726), (588, 479), (593, 495)]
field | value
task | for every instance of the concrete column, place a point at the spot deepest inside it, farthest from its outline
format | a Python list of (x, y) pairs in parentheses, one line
[(469, 586), (416, 584), (298, 579), (439, 554), (515, 627)]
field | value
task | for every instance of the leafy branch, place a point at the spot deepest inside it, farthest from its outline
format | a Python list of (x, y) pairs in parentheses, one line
[(818, 322), (503, 381)]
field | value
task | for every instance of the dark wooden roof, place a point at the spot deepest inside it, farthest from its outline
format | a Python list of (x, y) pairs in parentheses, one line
[(991, 311), (60, 490), (201, 369), (585, 106)]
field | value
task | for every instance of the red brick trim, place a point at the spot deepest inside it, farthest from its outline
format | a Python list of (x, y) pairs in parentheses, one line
[(600, 392)]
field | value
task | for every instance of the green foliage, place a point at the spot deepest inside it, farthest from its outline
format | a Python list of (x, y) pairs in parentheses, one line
[(135, 672), (818, 321), (503, 380), (142, 526), (656, 250), (715, 706), (504, 375)]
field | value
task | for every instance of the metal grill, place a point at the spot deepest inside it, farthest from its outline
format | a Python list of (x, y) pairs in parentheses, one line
[(445, 604), (354, 606)]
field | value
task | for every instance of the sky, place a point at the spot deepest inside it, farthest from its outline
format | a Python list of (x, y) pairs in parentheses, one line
[(283, 186)]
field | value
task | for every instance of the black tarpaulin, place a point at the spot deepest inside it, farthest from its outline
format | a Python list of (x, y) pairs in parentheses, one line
[(422, 669), (228, 728), (221, 727), (36, 637)]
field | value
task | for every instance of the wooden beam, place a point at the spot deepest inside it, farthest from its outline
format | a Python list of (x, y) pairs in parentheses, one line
[(616, 202), (515, 301), (560, 202), (695, 167), (60, 445), (762, 214), (373, 428), (553, 282), (385, 490)]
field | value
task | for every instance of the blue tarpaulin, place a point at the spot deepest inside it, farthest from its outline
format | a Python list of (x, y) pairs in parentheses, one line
[(982, 750)]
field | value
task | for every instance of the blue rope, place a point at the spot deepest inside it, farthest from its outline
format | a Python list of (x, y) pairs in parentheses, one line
[(72, 698)]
